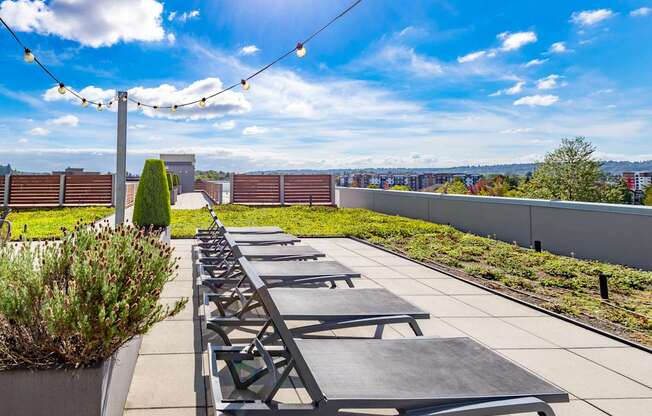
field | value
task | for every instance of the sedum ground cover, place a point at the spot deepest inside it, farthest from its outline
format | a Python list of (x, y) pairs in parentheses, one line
[(47, 223), (561, 284)]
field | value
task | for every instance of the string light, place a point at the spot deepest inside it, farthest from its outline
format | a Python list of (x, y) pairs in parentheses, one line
[(28, 56), (100, 107), (301, 50), (109, 104)]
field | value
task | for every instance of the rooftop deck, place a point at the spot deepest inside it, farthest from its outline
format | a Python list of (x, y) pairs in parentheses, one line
[(603, 376)]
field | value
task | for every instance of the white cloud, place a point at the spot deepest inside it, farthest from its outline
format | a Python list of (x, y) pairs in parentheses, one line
[(85, 22), (537, 100), (69, 120), (517, 130), (22, 141), (407, 58), (591, 17), (535, 62), (171, 38), (249, 50), (252, 130), (642, 11), (558, 47), (229, 102), (513, 41), (225, 125), (183, 17), (471, 56), (39, 131), (548, 82), (516, 89)]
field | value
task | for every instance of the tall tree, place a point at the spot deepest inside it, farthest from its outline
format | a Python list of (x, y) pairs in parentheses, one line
[(647, 200), (569, 173)]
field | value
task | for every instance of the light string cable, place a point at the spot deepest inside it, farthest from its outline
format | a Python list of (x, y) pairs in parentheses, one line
[(30, 57), (299, 49)]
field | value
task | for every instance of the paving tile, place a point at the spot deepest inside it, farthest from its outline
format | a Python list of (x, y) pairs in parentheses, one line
[(177, 411), (630, 362), (562, 333), (453, 286), (366, 283), (189, 312), (498, 306), (380, 273), (444, 306), (167, 380), (496, 333), (417, 271), (395, 261), (184, 274), (625, 407), (172, 337), (407, 287), (367, 332), (577, 375), (575, 408), (355, 261), (434, 327), (178, 289)]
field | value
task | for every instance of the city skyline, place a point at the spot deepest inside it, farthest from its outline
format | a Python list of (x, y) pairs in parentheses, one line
[(443, 83)]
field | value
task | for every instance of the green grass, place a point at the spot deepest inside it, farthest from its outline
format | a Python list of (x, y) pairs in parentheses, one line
[(47, 223), (567, 285)]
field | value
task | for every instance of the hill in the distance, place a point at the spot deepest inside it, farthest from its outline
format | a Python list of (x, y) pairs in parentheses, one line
[(612, 167)]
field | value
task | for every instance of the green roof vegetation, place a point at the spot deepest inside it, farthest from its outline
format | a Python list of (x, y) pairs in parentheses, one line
[(43, 224), (561, 284)]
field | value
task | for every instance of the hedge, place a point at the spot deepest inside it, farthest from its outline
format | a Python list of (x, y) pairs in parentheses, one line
[(152, 205)]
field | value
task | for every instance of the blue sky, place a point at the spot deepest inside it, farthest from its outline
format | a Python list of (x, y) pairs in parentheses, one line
[(393, 83)]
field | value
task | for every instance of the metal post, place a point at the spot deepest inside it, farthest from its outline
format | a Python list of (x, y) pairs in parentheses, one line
[(62, 189), (281, 179), (5, 197), (121, 160), (604, 286)]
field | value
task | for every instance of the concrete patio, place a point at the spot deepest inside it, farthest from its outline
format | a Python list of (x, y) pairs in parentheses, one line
[(603, 376)]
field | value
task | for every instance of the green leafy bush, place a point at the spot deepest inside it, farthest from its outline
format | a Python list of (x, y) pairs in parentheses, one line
[(152, 205), (168, 175), (74, 303), (175, 179)]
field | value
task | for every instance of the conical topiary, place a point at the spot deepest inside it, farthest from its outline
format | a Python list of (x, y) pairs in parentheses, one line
[(170, 183), (152, 205)]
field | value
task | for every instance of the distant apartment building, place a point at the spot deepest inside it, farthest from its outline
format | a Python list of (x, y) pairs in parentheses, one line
[(74, 171), (415, 182), (637, 181)]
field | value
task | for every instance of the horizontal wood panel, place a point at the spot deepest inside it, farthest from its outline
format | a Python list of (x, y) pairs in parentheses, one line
[(297, 189), (88, 189)]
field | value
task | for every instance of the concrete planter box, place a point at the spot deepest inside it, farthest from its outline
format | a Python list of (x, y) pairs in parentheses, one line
[(95, 391)]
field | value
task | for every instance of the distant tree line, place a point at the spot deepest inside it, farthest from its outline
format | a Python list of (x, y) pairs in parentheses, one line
[(211, 175)]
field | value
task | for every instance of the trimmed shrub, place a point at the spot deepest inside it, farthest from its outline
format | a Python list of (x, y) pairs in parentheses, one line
[(175, 179), (74, 303), (152, 205), (168, 175)]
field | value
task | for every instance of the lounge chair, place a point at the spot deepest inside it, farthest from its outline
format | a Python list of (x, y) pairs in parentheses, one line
[(419, 376), (216, 229), (225, 257), (277, 273), (333, 309)]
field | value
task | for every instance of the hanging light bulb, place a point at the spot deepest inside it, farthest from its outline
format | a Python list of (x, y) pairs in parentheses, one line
[(139, 106), (124, 98), (301, 50), (174, 108), (202, 102), (245, 84), (28, 56), (62, 88), (155, 107), (109, 104), (100, 107), (84, 102)]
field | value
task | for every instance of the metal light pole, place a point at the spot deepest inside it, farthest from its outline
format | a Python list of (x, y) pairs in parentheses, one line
[(121, 160)]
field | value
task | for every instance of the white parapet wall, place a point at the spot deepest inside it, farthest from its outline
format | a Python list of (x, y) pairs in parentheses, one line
[(613, 233)]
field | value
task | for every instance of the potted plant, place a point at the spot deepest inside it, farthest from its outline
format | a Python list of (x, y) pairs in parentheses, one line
[(72, 315), (152, 206)]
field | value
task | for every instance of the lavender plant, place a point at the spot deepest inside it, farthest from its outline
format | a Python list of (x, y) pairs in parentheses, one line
[(75, 302)]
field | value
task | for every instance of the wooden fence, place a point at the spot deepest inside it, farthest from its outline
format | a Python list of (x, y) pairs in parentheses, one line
[(282, 189), (212, 189), (59, 190)]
